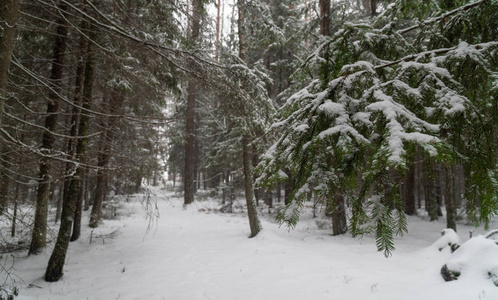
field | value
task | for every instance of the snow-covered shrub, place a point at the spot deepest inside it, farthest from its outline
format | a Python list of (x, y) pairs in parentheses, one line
[(449, 239)]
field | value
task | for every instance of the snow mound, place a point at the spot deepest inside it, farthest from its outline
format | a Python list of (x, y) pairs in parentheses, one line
[(475, 259)]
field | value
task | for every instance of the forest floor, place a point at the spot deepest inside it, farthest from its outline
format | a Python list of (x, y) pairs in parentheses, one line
[(200, 253)]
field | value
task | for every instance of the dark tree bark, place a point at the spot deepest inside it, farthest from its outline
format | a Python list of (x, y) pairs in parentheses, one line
[(279, 192), (39, 234), (217, 46), (252, 212), (190, 157), (8, 18), (113, 101), (431, 203), (5, 157), (75, 115), (409, 192), (339, 221), (72, 201), (370, 7), (449, 199), (9, 11), (56, 262), (83, 129), (287, 190), (325, 17), (14, 213)]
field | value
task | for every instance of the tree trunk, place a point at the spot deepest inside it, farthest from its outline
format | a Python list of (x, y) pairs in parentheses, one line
[(409, 192), (103, 161), (39, 234), (83, 129), (242, 30), (287, 189), (279, 190), (449, 199), (325, 17), (56, 261), (247, 158), (373, 8), (339, 221), (430, 194), (217, 46), (14, 213), (71, 209), (75, 117), (190, 157), (9, 12), (86, 196), (5, 157), (252, 213)]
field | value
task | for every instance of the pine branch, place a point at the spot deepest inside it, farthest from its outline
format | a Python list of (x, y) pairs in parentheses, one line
[(443, 16)]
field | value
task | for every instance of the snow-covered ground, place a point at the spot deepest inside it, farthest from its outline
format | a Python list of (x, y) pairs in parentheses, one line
[(198, 253)]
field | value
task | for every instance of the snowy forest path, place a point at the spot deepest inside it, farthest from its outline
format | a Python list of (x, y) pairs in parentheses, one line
[(198, 253)]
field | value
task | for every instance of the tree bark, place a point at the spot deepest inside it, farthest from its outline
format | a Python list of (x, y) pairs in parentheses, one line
[(103, 161), (217, 46), (339, 221), (430, 194), (83, 129), (190, 157), (325, 17), (252, 213), (56, 262), (5, 157), (75, 115), (39, 234), (409, 192), (9, 12), (8, 19), (449, 199)]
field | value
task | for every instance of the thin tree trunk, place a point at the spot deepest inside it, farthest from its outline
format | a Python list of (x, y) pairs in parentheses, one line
[(373, 8), (103, 161), (190, 157), (75, 116), (325, 17), (56, 261), (14, 213), (339, 221), (39, 234), (216, 57), (9, 12), (287, 189), (189, 182), (71, 209), (252, 213), (279, 190), (409, 192), (8, 19), (430, 197), (449, 199), (5, 157), (83, 129), (60, 197)]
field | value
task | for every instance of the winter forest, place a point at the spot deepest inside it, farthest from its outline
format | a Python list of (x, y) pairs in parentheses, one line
[(249, 149)]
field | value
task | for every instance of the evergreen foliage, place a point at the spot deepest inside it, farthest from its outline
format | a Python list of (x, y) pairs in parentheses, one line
[(421, 77)]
